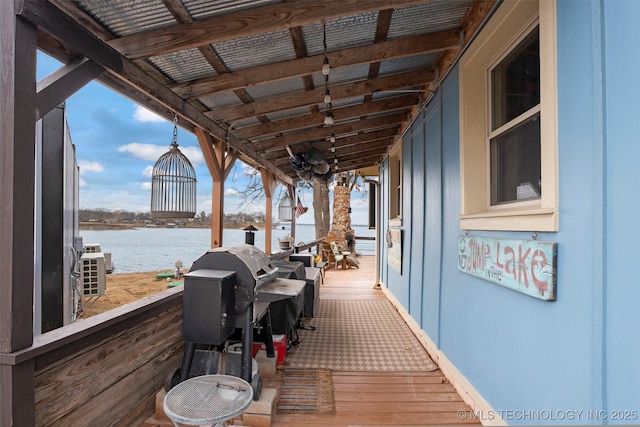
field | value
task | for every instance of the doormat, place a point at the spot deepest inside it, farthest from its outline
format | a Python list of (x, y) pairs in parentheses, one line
[(359, 335), (306, 391)]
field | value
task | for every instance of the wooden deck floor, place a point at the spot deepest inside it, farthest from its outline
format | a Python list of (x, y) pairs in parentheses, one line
[(378, 398)]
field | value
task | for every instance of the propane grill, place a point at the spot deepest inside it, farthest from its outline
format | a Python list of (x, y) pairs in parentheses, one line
[(228, 289)]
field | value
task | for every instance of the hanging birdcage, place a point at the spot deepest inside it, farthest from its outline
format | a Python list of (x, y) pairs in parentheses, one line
[(285, 209), (173, 184)]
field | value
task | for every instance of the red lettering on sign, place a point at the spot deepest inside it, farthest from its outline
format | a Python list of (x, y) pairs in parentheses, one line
[(510, 265), (498, 256), (538, 262), (522, 265)]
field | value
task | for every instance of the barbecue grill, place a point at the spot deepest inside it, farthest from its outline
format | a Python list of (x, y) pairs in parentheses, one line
[(226, 290)]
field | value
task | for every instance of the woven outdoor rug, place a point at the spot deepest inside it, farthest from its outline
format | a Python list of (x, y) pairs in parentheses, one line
[(306, 391), (359, 335)]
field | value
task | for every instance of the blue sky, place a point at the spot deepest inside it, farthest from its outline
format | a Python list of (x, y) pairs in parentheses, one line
[(118, 142)]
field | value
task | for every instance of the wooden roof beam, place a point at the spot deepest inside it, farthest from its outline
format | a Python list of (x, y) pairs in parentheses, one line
[(244, 23), (362, 150), (364, 125), (316, 119), (70, 33), (353, 140), (399, 48), (306, 99)]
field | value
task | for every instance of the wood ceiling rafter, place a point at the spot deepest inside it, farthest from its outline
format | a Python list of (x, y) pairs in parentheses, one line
[(316, 119), (382, 30), (294, 120), (248, 22), (353, 140), (69, 31), (182, 16), (342, 151), (380, 122), (371, 54), (306, 99)]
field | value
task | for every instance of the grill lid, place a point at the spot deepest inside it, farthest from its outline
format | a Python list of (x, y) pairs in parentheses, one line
[(257, 262)]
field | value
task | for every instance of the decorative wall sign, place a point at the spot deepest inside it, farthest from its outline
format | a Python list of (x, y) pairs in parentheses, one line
[(527, 266), (394, 249)]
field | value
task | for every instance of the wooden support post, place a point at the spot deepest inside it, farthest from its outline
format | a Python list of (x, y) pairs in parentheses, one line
[(52, 220), (17, 179), (219, 163), (269, 182), (294, 207)]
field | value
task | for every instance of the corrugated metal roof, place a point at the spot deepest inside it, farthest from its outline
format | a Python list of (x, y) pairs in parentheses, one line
[(273, 90), (348, 31), (183, 65), (251, 51), (436, 15), (200, 9), (246, 50), (220, 100), (409, 63), (125, 17)]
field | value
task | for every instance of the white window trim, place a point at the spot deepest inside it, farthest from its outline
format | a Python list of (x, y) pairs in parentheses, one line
[(395, 185), (503, 29)]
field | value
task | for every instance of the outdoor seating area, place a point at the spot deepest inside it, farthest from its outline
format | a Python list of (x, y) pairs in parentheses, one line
[(336, 257)]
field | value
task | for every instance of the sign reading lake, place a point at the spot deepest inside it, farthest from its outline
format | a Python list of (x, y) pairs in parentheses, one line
[(527, 266)]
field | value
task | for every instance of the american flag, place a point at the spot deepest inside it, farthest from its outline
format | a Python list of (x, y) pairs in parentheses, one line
[(299, 208)]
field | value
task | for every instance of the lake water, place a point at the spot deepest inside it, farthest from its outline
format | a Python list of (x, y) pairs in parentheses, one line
[(153, 249)]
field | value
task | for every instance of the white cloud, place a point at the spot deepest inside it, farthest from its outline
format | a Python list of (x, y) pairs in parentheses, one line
[(141, 114), (153, 152), (149, 152), (82, 182), (145, 185), (87, 166), (148, 171), (230, 192)]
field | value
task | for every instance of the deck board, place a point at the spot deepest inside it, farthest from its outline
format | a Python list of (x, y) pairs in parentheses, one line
[(380, 398)]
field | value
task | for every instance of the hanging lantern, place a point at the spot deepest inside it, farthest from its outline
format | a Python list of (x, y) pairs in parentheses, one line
[(173, 183), (285, 209)]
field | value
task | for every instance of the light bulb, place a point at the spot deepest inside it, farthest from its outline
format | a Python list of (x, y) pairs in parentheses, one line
[(328, 119), (335, 160), (333, 150), (332, 139), (327, 97), (325, 66)]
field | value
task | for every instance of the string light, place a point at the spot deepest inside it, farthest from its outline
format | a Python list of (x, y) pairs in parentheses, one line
[(328, 118), (326, 69), (327, 96)]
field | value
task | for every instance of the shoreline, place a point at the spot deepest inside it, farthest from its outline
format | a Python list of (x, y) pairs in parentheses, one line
[(130, 226)]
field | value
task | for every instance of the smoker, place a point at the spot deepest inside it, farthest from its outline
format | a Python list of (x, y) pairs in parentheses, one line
[(227, 290)]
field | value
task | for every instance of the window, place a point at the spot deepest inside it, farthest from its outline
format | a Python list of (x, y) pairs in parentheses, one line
[(395, 185), (514, 137), (508, 122)]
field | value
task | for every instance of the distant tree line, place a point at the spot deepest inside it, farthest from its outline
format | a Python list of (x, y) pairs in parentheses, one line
[(123, 216)]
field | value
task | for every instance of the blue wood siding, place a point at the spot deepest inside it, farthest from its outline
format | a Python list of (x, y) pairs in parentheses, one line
[(582, 351), (622, 153), (418, 218)]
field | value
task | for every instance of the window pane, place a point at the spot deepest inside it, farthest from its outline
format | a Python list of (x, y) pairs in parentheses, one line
[(515, 163), (515, 82)]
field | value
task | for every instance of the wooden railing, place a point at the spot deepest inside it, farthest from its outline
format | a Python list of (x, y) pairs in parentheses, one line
[(107, 369)]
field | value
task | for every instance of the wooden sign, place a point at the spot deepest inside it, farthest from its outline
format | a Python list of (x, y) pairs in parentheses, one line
[(394, 249), (527, 266)]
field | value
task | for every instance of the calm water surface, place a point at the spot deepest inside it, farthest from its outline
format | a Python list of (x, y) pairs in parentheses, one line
[(152, 249)]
